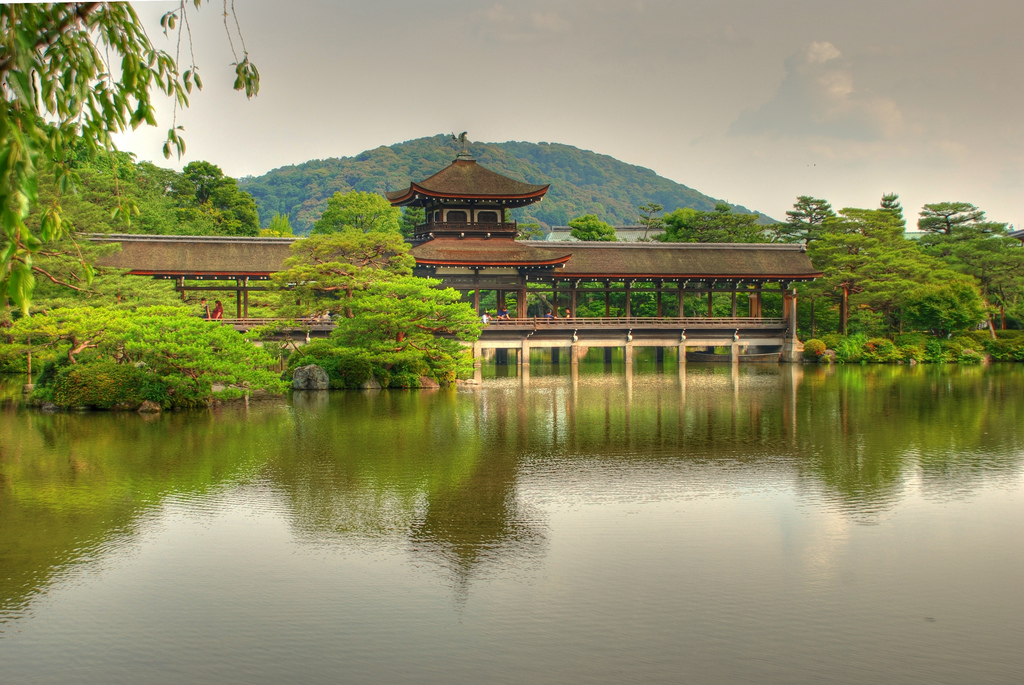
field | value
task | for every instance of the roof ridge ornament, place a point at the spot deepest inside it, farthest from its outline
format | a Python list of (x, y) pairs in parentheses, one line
[(461, 138)]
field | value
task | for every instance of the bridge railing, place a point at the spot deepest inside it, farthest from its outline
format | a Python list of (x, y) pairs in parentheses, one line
[(642, 322)]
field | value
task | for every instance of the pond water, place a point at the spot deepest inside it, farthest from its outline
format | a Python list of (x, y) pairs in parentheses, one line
[(776, 524)]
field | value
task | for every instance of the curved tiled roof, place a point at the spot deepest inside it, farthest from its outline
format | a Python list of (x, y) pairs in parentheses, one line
[(464, 178), (482, 252)]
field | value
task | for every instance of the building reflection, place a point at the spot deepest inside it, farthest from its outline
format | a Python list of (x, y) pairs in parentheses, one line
[(443, 474)]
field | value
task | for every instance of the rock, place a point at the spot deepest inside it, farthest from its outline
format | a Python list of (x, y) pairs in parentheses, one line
[(828, 357), (149, 407), (310, 377), (912, 362), (428, 383), (50, 408), (370, 384), (28, 388), (466, 382)]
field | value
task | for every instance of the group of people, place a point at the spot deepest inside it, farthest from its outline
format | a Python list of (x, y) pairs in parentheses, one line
[(218, 310), (485, 317)]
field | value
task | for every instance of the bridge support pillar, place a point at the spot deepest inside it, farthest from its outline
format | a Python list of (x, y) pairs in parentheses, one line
[(628, 354), (792, 348), (524, 352), (734, 352), (682, 356), (574, 354), (477, 362)]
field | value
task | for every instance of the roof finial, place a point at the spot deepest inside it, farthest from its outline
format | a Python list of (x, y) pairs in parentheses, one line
[(461, 138)]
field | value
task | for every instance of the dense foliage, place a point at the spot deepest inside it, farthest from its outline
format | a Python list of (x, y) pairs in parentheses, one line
[(177, 357), (719, 225), (59, 93), (357, 270), (582, 182), (964, 272), (590, 228)]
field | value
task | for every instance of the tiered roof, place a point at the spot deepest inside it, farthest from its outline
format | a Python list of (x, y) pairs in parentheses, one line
[(465, 179)]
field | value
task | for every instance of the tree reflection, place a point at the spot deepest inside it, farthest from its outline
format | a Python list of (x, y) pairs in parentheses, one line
[(442, 474)]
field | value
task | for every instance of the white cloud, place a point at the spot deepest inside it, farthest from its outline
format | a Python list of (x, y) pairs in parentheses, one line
[(819, 97)]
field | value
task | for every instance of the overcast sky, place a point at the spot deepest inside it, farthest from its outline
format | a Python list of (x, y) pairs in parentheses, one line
[(752, 101)]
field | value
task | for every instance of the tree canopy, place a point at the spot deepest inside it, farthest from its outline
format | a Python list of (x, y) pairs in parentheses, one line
[(60, 89), (589, 228), (721, 225), (365, 212)]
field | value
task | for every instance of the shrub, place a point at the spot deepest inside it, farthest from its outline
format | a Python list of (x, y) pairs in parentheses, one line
[(915, 352), (101, 384), (912, 339), (881, 350), (934, 352), (1006, 349), (814, 348), (969, 356), (346, 368), (831, 340), (851, 348)]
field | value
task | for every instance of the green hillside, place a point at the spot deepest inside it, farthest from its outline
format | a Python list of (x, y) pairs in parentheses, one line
[(582, 182)]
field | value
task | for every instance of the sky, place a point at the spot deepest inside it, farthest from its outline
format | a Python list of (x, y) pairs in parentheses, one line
[(750, 101)]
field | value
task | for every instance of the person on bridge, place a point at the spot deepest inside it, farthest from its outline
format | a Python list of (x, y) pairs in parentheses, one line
[(485, 318), (503, 313), (206, 308), (568, 314), (218, 311), (550, 315)]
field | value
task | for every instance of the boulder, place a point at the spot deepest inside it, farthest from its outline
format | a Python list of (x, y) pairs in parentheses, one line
[(828, 357), (427, 382), (50, 408), (370, 384), (149, 407), (310, 377)]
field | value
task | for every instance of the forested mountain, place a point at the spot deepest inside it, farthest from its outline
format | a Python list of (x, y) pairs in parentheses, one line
[(582, 182)]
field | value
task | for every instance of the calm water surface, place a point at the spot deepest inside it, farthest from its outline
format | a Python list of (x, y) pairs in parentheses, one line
[(780, 524)]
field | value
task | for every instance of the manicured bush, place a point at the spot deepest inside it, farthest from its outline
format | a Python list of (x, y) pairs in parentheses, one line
[(814, 348), (346, 368), (101, 385), (881, 350)]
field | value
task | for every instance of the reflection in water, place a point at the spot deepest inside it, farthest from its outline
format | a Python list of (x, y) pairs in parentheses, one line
[(466, 480)]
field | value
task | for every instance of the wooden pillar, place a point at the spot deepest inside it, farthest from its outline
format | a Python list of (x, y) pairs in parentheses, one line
[(238, 298), (627, 286), (476, 291), (245, 300), (734, 302), (181, 286), (682, 310), (521, 304), (524, 352), (790, 297), (501, 299), (711, 297), (607, 299), (658, 296), (572, 298)]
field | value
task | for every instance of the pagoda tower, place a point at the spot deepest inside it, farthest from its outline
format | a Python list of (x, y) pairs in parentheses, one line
[(467, 200)]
